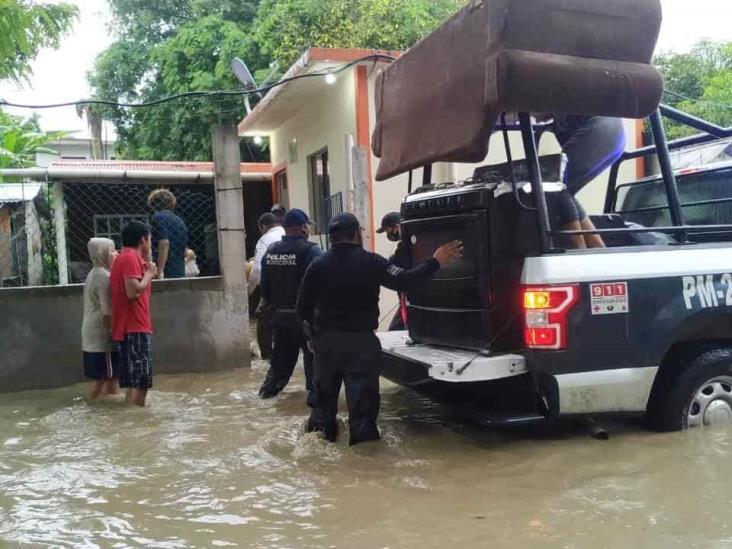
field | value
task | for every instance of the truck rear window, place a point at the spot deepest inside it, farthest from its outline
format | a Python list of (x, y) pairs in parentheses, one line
[(706, 199)]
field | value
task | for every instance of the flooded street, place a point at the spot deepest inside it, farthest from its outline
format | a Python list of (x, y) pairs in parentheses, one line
[(209, 465)]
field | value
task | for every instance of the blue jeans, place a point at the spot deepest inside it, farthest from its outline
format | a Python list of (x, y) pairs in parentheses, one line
[(592, 144)]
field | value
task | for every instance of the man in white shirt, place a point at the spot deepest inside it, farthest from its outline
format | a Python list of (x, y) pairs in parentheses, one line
[(271, 231)]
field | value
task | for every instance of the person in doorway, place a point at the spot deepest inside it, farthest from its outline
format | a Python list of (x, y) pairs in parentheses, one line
[(391, 226), (591, 144), (283, 269), (101, 360), (339, 301), (131, 283), (169, 235), (271, 231), (279, 211)]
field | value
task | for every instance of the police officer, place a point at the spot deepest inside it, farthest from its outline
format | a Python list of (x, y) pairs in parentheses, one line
[(391, 226), (339, 298), (283, 268)]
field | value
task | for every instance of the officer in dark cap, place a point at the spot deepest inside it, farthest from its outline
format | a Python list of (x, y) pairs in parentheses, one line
[(339, 300), (283, 269), (391, 226)]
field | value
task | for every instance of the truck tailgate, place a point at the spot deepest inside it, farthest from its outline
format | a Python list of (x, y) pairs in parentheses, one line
[(452, 365)]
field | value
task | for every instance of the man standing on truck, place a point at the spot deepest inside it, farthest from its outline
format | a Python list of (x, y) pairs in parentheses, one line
[(591, 145), (391, 226), (339, 299)]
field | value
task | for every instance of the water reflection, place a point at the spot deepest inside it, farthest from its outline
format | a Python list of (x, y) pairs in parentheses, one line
[(210, 465)]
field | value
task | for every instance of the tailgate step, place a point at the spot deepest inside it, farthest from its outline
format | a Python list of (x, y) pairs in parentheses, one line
[(453, 365)]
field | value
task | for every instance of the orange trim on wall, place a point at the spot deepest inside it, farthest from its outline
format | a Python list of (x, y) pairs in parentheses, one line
[(341, 55), (363, 137), (640, 163)]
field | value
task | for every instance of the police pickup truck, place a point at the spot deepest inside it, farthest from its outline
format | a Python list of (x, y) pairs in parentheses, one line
[(643, 326)]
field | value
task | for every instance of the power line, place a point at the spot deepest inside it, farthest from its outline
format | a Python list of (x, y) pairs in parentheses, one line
[(700, 101), (202, 94)]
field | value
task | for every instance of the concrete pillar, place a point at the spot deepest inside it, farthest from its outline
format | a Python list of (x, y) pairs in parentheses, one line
[(59, 219), (34, 245), (232, 239), (361, 198)]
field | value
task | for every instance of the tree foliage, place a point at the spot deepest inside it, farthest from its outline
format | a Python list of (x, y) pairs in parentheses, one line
[(166, 48), (21, 139), (169, 47), (284, 28), (25, 28), (699, 82)]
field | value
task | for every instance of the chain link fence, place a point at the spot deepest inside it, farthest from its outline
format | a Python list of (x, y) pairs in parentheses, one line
[(185, 217), (33, 254)]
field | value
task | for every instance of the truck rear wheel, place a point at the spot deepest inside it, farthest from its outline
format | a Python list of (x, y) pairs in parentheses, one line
[(698, 394)]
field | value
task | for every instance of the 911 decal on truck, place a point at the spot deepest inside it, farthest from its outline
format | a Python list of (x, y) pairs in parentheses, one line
[(707, 291)]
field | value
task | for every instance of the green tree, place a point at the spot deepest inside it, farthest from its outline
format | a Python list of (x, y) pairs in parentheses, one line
[(175, 46), (284, 28), (166, 48), (699, 82), (25, 28), (21, 140)]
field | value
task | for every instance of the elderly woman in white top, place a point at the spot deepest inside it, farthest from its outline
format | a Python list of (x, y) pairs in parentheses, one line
[(101, 362)]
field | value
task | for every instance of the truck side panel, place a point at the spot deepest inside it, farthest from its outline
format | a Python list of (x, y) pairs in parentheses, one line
[(624, 324)]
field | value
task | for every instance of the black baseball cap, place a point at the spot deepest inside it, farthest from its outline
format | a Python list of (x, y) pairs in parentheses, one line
[(345, 222), (296, 218), (390, 220)]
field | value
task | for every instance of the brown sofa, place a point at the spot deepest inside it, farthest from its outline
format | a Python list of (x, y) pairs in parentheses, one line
[(440, 101)]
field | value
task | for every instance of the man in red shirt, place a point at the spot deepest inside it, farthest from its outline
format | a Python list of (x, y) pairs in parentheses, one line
[(130, 284)]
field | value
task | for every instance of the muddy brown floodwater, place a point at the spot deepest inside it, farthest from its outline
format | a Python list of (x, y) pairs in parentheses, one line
[(209, 465)]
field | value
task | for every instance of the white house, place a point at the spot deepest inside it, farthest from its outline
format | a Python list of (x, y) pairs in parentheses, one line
[(73, 148)]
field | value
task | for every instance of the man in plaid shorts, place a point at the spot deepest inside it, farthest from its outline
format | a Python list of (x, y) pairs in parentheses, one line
[(130, 285)]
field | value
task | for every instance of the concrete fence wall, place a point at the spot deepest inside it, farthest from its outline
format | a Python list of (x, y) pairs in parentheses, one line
[(200, 326)]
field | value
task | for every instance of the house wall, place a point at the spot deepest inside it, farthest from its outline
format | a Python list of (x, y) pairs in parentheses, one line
[(40, 330), (71, 149), (325, 121)]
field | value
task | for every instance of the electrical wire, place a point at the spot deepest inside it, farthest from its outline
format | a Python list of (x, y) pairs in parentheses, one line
[(202, 94), (700, 101)]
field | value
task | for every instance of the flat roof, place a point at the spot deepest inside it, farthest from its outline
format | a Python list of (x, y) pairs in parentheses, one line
[(283, 102), (18, 192)]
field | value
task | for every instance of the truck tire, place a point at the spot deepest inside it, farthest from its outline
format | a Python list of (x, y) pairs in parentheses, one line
[(698, 392)]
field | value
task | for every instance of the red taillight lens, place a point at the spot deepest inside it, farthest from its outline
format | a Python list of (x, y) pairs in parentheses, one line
[(541, 337), (403, 309), (546, 312)]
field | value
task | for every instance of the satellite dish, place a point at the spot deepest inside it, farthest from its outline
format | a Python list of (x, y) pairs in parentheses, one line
[(241, 71), (243, 75)]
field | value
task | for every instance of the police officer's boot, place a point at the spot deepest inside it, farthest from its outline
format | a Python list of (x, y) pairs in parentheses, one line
[(271, 386)]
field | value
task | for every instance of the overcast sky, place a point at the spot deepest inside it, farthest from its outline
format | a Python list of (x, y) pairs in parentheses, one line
[(61, 75)]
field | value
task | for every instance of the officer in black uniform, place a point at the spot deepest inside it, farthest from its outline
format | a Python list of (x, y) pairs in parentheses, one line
[(283, 268), (391, 226), (339, 298)]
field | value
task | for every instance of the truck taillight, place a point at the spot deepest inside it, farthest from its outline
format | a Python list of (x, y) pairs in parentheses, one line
[(546, 312)]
